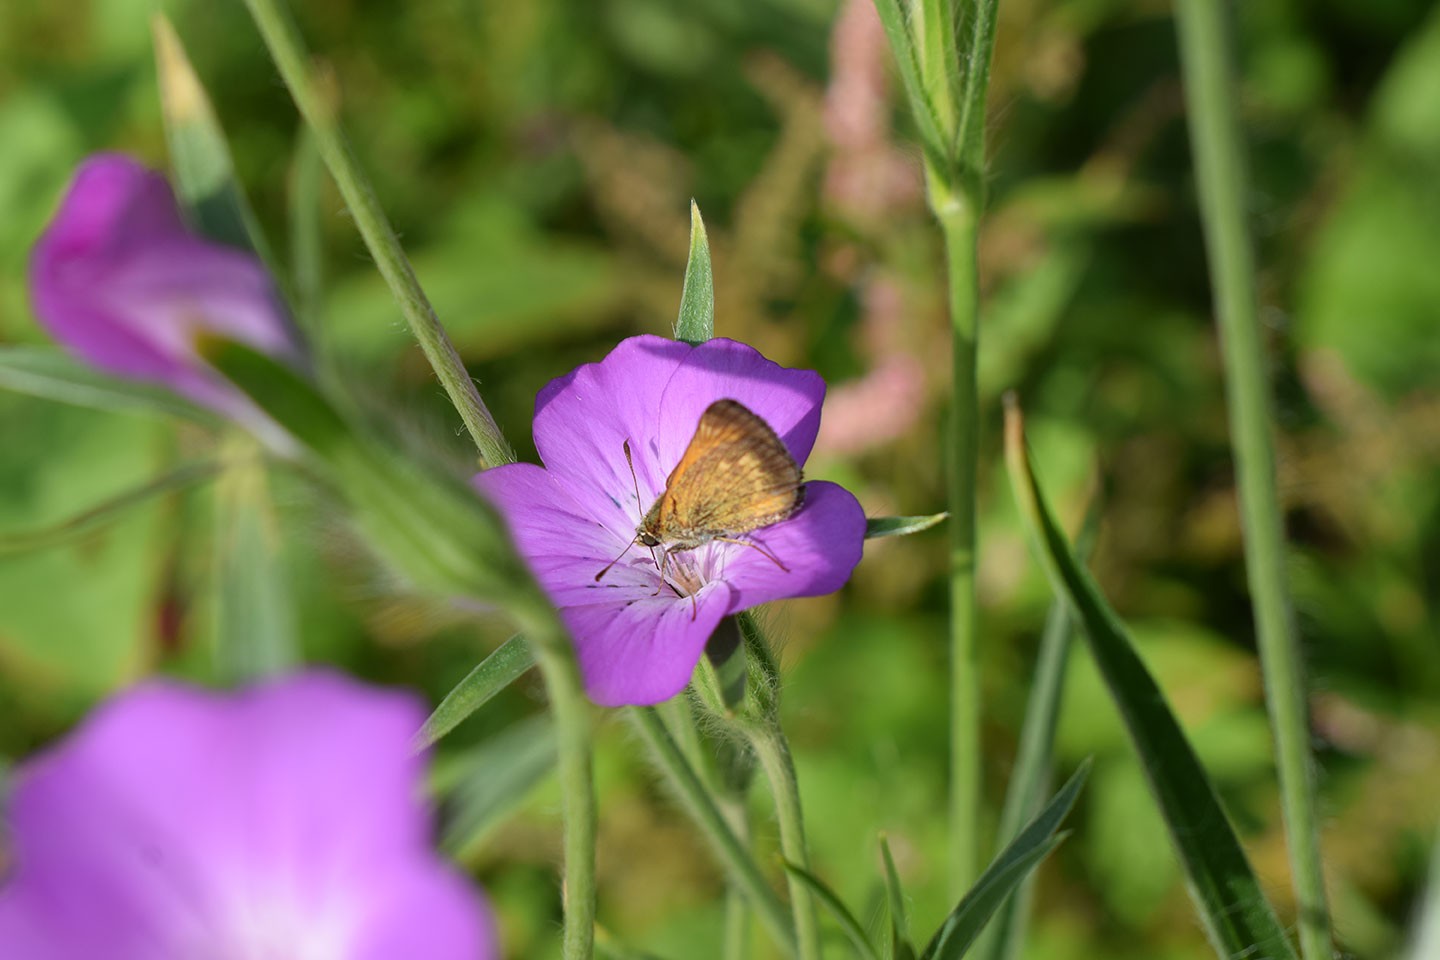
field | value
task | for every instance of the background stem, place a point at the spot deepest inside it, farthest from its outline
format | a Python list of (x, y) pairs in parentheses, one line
[(1219, 165)]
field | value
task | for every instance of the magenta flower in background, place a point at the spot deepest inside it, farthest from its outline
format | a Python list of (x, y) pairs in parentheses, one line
[(284, 821), (638, 640), (124, 285)]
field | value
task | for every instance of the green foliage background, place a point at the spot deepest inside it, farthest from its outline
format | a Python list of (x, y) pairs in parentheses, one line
[(538, 159)]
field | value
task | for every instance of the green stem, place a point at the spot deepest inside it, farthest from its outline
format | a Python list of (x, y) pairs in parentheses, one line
[(568, 705), (701, 808), (1219, 165), (959, 222), (773, 752), (288, 51), (760, 725)]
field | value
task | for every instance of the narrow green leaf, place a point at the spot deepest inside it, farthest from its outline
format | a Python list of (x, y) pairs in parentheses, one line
[(205, 180), (506, 664), (1230, 900), (483, 785), (832, 902), (900, 946), (907, 59), (254, 617), (901, 526), (1030, 777), (696, 322), (48, 373), (1003, 875), (976, 41), (108, 511)]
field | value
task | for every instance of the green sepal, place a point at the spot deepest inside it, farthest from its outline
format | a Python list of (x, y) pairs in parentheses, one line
[(696, 321)]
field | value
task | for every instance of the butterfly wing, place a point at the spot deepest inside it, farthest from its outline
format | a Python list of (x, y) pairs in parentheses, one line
[(734, 477)]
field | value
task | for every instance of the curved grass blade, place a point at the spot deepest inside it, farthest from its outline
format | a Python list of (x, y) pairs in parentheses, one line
[(52, 375), (832, 902), (900, 946), (1239, 920), (901, 526), (1007, 872), (696, 322), (506, 664), (108, 511)]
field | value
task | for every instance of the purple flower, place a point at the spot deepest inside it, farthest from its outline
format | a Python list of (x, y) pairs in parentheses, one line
[(283, 821), (125, 286), (638, 639)]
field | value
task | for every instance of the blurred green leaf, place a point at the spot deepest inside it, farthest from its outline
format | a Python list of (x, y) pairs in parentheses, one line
[(486, 783), (78, 618), (1369, 284), (506, 664), (696, 322), (254, 619), (106, 512), (46, 372), (1233, 906), (852, 927), (498, 282), (900, 526), (204, 178), (1005, 873)]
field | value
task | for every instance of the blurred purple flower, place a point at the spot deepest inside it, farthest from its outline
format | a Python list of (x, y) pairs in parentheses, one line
[(283, 821), (638, 640), (120, 280)]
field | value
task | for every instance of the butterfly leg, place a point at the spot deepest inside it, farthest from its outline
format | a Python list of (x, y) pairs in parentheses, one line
[(762, 550)]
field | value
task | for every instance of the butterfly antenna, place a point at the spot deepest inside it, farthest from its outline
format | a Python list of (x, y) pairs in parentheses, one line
[(615, 561), (755, 546), (630, 462)]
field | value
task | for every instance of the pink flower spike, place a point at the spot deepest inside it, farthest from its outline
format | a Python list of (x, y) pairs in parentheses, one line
[(637, 638), (282, 821), (125, 286)]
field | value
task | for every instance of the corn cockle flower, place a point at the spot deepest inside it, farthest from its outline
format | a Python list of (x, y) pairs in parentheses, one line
[(124, 285), (638, 636), (282, 821)]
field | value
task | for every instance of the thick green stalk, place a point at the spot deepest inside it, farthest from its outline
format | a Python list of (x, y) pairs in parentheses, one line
[(288, 51), (570, 708), (958, 219), (701, 807), (1219, 165)]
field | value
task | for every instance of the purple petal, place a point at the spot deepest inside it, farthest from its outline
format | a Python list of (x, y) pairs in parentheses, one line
[(820, 544), (787, 399), (583, 419), (636, 640), (119, 280), (643, 651), (176, 822)]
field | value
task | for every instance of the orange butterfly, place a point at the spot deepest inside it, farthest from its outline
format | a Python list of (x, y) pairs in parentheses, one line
[(735, 476)]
